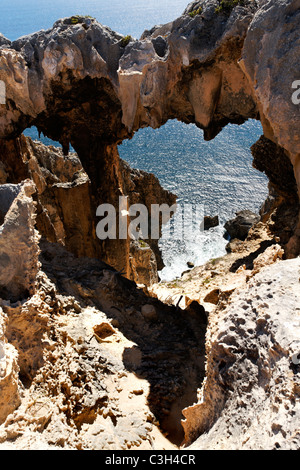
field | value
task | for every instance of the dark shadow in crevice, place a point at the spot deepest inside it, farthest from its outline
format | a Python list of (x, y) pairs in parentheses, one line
[(169, 349), (248, 260)]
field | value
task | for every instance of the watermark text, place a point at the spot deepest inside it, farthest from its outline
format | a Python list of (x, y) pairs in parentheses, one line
[(137, 222), (296, 94)]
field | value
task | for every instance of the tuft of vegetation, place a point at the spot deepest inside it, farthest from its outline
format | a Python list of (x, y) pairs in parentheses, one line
[(215, 261), (143, 244), (226, 6), (173, 284), (76, 18), (196, 12), (125, 40)]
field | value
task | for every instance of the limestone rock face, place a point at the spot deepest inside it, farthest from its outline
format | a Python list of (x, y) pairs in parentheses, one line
[(144, 188), (9, 373), (66, 210), (272, 45), (250, 399), (281, 207), (274, 162), (88, 360), (143, 264), (93, 89), (97, 374), (112, 89)]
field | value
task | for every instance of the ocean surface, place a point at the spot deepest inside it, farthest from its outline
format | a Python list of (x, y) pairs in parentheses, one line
[(209, 178)]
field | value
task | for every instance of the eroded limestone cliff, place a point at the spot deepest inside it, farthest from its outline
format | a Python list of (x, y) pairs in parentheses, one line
[(87, 359)]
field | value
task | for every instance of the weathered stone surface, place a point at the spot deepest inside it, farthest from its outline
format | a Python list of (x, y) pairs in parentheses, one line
[(212, 285), (9, 370), (8, 193), (66, 210), (83, 393), (143, 264), (250, 399), (272, 46), (144, 188), (97, 90), (149, 312), (281, 208), (274, 162)]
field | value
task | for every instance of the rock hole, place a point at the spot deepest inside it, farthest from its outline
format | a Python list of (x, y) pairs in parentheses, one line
[(192, 168)]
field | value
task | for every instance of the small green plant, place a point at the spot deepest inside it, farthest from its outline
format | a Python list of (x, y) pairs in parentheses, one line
[(143, 244), (215, 261), (75, 19), (125, 40), (173, 285), (226, 6), (196, 12), (206, 281)]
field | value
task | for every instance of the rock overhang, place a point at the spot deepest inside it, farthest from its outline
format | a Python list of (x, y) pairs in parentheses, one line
[(71, 52)]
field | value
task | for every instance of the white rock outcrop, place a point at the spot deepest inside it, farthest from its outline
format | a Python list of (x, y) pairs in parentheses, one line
[(19, 238)]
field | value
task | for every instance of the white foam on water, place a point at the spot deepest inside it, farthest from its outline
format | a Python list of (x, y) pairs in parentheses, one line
[(197, 247)]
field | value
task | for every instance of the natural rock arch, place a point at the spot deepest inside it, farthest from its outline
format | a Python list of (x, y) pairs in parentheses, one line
[(83, 84)]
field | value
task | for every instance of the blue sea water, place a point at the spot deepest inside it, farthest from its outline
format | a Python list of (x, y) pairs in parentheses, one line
[(216, 176)]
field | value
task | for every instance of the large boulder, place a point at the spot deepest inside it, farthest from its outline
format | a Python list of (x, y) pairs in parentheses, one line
[(239, 226), (210, 222)]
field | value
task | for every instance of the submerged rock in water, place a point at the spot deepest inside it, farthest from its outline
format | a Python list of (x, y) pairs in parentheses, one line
[(239, 226), (210, 222)]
